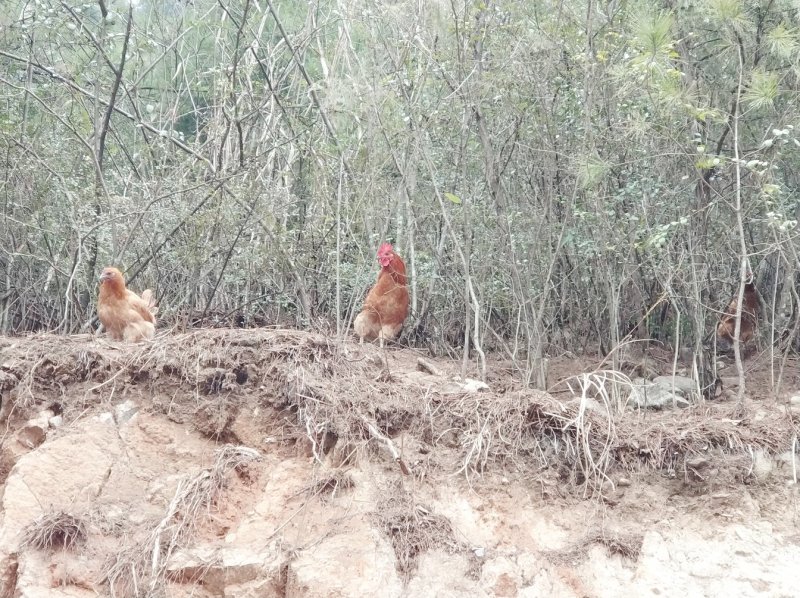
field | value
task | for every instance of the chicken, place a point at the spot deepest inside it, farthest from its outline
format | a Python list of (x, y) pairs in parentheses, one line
[(386, 305), (124, 314), (727, 323)]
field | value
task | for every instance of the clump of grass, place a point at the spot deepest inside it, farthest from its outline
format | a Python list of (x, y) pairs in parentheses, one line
[(56, 530), (330, 485), (412, 529), (626, 545)]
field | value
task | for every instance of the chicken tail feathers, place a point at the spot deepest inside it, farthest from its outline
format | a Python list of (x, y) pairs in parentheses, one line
[(150, 300)]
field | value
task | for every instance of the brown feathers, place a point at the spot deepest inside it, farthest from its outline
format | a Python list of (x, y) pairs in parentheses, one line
[(727, 324), (386, 305), (124, 314)]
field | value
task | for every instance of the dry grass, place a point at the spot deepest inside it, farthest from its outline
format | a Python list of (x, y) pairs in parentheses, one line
[(142, 566), (54, 531), (662, 440), (628, 546), (330, 485), (412, 528), (326, 388), (336, 393)]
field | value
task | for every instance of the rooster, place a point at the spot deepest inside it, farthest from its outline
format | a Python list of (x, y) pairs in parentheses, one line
[(124, 314), (386, 305)]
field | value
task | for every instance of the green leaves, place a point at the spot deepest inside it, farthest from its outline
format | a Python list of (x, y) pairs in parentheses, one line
[(592, 171), (727, 10), (654, 34), (454, 198), (783, 42), (656, 63), (762, 90)]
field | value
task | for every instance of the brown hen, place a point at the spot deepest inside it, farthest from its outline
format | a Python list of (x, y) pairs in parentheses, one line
[(727, 323), (124, 314)]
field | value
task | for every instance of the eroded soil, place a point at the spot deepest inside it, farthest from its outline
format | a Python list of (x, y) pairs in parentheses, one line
[(283, 463)]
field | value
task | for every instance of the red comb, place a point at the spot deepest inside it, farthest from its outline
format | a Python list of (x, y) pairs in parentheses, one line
[(385, 248)]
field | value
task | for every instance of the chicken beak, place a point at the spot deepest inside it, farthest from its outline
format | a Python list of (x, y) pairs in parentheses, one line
[(103, 277)]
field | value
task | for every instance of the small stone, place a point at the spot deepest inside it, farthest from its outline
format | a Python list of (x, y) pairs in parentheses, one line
[(471, 385), (374, 360), (760, 415), (32, 435), (787, 461), (124, 412), (762, 465), (795, 401), (467, 386), (623, 482), (479, 551), (589, 404), (655, 396), (682, 384), (698, 462), (34, 432), (55, 421)]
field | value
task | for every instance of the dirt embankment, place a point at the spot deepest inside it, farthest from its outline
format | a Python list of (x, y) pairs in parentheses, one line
[(281, 463)]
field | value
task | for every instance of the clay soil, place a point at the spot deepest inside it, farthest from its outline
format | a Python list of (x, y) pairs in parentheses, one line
[(285, 463)]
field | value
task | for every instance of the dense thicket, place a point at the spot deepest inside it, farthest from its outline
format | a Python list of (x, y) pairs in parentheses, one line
[(554, 172)]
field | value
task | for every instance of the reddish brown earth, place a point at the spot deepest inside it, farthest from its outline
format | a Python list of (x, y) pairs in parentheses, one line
[(282, 463)]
